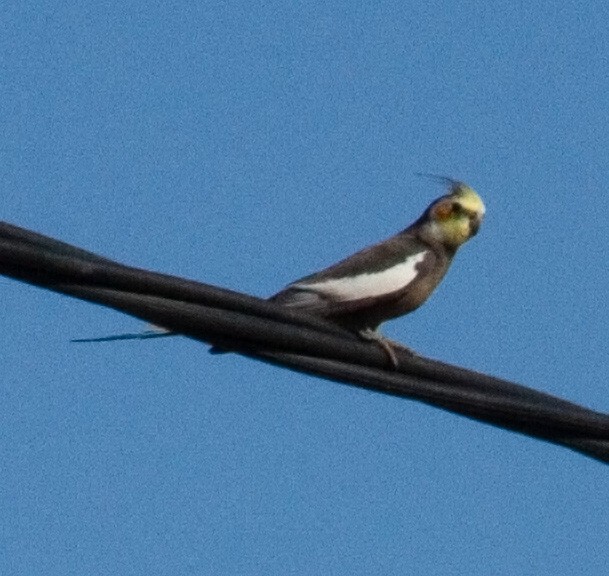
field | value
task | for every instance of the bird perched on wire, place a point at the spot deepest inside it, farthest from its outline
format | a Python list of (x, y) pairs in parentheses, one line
[(393, 277), (383, 281)]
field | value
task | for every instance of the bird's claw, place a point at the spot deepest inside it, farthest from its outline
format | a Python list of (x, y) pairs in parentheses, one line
[(389, 346)]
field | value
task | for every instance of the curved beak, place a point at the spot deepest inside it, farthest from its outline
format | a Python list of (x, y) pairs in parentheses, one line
[(474, 224)]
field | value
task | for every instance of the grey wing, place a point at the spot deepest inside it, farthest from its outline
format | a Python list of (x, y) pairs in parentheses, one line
[(326, 295), (294, 296)]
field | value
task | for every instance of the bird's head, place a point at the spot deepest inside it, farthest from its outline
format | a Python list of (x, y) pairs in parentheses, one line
[(454, 218)]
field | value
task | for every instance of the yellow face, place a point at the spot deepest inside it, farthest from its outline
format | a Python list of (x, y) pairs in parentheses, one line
[(457, 216)]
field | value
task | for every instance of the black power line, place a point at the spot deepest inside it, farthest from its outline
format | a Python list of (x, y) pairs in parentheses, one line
[(266, 331)]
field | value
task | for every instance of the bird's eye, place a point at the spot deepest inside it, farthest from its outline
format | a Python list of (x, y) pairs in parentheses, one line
[(457, 208)]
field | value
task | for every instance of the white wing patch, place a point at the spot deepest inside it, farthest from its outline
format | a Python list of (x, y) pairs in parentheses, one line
[(366, 285)]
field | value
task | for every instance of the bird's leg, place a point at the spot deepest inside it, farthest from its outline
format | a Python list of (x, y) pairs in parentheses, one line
[(386, 344)]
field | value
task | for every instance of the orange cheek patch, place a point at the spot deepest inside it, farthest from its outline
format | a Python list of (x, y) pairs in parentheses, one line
[(443, 211)]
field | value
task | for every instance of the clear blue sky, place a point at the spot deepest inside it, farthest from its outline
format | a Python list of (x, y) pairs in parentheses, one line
[(246, 144)]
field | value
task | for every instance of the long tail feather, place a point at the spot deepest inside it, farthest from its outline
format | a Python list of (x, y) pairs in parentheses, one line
[(129, 336)]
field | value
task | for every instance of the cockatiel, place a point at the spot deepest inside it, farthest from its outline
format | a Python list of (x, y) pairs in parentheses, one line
[(393, 277), (386, 280)]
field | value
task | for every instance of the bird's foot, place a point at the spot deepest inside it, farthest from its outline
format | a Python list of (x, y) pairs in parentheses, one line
[(388, 345)]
